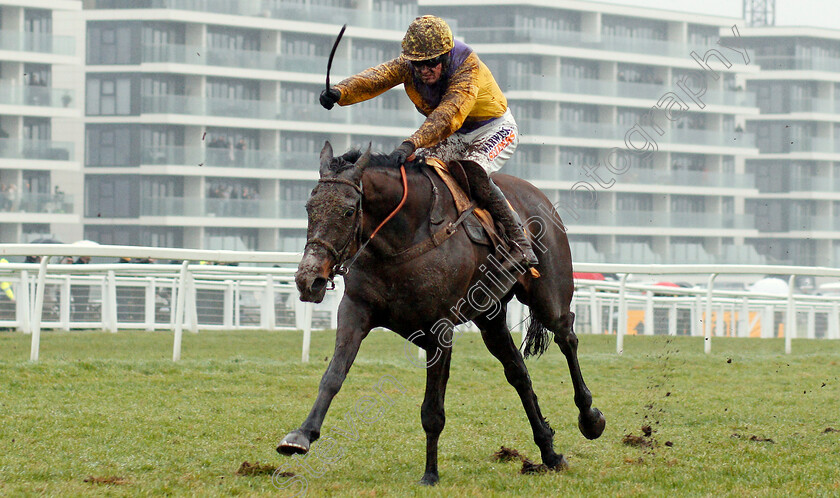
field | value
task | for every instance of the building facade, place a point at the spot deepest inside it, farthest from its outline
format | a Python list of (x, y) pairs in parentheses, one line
[(200, 125), (40, 116), (797, 210)]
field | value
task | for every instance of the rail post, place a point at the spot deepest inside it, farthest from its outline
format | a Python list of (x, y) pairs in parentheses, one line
[(790, 317), (179, 311), (707, 322), (622, 314), (35, 347)]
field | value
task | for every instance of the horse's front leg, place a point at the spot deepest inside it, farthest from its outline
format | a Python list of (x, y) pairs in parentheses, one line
[(353, 327)]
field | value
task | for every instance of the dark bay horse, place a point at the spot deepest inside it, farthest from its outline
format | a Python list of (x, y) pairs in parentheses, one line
[(421, 289)]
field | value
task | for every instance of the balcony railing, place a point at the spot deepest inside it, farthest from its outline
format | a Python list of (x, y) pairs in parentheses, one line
[(278, 9), (554, 172), (823, 145), (36, 96), (576, 39), (658, 219), (36, 149), (803, 222), (647, 91), (787, 63), (36, 203), (258, 109), (607, 131), (229, 158), (812, 105), (222, 208), (22, 41)]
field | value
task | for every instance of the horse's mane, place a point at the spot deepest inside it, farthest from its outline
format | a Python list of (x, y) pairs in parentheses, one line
[(349, 158)]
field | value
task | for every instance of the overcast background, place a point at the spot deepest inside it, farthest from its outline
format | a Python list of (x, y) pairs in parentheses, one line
[(823, 13)]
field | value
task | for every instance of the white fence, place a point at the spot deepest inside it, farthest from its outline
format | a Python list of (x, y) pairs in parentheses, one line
[(195, 296)]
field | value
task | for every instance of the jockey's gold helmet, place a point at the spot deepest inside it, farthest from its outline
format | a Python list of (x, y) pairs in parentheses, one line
[(427, 37)]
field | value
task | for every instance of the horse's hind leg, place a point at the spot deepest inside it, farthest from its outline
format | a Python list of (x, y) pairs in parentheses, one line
[(497, 338), (591, 421)]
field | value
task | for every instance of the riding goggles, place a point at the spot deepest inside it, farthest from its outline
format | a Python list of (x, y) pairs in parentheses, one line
[(430, 63)]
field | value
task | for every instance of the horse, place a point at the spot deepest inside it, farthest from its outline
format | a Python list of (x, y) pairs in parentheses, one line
[(421, 290)]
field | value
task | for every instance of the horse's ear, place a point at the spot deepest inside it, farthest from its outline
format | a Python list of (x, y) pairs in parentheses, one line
[(326, 158), (361, 164)]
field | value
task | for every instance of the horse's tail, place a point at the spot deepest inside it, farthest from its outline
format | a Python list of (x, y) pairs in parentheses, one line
[(537, 339)]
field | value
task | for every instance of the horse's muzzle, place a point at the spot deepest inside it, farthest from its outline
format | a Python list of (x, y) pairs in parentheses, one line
[(311, 280)]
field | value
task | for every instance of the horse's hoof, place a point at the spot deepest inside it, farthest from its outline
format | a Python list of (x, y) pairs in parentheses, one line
[(295, 443), (557, 462), (592, 424), (429, 479)]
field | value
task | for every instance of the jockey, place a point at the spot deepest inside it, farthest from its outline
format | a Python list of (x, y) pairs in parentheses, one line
[(467, 117)]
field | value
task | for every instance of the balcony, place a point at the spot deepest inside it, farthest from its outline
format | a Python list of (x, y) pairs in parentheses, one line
[(577, 39), (200, 106), (788, 63), (36, 149), (812, 105), (811, 223), (36, 203), (259, 109), (813, 184), (229, 158), (222, 208), (565, 173), (293, 11), (21, 41), (822, 145), (35, 96), (667, 219), (358, 115), (607, 131), (622, 89)]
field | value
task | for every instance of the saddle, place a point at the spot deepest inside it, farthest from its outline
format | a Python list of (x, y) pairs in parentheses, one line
[(478, 224)]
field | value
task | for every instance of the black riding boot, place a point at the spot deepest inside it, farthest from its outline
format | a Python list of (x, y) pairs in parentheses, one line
[(491, 198)]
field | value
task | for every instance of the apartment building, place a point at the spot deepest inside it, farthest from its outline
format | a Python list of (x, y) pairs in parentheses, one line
[(797, 210), (202, 125), (582, 79), (195, 123), (40, 114)]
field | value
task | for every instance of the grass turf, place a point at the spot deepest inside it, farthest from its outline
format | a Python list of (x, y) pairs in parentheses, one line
[(115, 408)]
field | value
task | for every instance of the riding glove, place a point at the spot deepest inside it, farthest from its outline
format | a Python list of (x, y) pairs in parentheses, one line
[(401, 153), (329, 97)]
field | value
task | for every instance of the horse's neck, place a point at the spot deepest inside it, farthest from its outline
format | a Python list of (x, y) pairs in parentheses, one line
[(383, 192)]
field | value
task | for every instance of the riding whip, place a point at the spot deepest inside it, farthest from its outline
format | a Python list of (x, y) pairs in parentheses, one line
[(332, 54)]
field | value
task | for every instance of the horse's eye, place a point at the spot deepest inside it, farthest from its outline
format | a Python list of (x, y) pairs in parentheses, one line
[(349, 212)]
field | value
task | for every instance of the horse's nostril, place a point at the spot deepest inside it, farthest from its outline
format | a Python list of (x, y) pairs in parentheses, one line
[(318, 285)]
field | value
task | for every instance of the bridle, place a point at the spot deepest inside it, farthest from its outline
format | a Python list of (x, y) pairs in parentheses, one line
[(340, 255)]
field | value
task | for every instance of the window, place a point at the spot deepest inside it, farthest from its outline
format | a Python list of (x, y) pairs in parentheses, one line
[(291, 240), (688, 204), (112, 196), (108, 96), (232, 39), (37, 128), (577, 69), (110, 145), (634, 202), (112, 43), (37, 75), (225, 88), (231, 239), (37, 21), (156, 187), (635, 73)]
